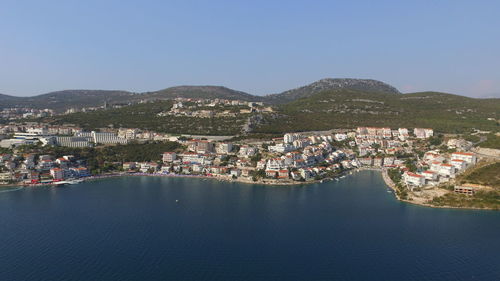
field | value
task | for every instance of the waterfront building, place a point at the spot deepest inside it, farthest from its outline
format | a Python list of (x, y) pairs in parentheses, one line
[(413, 180), (57, 173)]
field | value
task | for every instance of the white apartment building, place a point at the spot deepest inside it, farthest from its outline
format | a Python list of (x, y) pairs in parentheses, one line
[(169, 157), (290, 138), (57, 173), (469, 158), (413, 179), (430, 175), (458, 164), (423, 133)]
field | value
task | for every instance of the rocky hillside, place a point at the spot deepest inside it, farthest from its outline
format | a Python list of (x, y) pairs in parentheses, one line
[(365, 85)]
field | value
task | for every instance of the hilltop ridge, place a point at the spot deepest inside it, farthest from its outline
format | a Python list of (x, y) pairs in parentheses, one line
[(62, 100), (327, 84)]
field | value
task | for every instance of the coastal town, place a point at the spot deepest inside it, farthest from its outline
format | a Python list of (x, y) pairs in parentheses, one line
[(417, 161)]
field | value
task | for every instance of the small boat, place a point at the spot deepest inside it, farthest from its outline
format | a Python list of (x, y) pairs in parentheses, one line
[(60, 183), (74, 181)]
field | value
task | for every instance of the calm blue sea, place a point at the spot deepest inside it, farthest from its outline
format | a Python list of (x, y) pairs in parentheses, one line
[(133, 229)]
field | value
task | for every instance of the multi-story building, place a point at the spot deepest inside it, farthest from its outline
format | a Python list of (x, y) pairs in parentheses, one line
[(413, 180), (430, 175), (169, 157), (468, 157), (224, 147), (423, 133), (290, 138), (458, 164), (57, 173)]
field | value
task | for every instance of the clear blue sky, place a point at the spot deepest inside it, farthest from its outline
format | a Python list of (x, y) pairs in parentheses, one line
[(255, 46)]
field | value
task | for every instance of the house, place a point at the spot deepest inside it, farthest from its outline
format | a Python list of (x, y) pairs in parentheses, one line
[(191, 157), (57, 173), (378, 161), (147, 166), (218, 170), (62, 162), (368, 161), (306, 173), (435, 166), (280, 148), (340, 137), (45, 164), (433, 156), (6, 176), (129, 165), (247, 151), (10, 165), (459, 144), (235, 173), (388, 161), (430, 175), (283, 174), (446, 170), (169, 157), (469, 158), (423, 133), (271, 173), (275, 164), (79, 172), (246, 172), (290, 138), (224, 147), (458, 164), (412, 179)]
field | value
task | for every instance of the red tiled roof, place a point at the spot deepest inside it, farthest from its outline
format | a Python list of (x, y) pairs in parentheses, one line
[(463, 153), (414, 175)]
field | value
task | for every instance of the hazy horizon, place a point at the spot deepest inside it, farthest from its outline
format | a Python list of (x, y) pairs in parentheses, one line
[(260, 47)]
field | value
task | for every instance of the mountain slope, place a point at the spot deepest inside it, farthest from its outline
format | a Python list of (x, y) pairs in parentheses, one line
[(367, 85), (349, 108), (206, 92), (62, 100)]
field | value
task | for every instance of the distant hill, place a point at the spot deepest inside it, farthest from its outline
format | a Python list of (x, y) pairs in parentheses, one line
[(62, 100), (322, 105), (366, 85), (206, 92), (348, 108)]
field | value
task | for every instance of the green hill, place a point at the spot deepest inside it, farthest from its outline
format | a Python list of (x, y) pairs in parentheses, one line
[(205, 92), (62, 100), (351, 108), (144, 116)]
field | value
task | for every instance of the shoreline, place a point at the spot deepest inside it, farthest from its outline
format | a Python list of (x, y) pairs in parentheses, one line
[(390, 184)]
